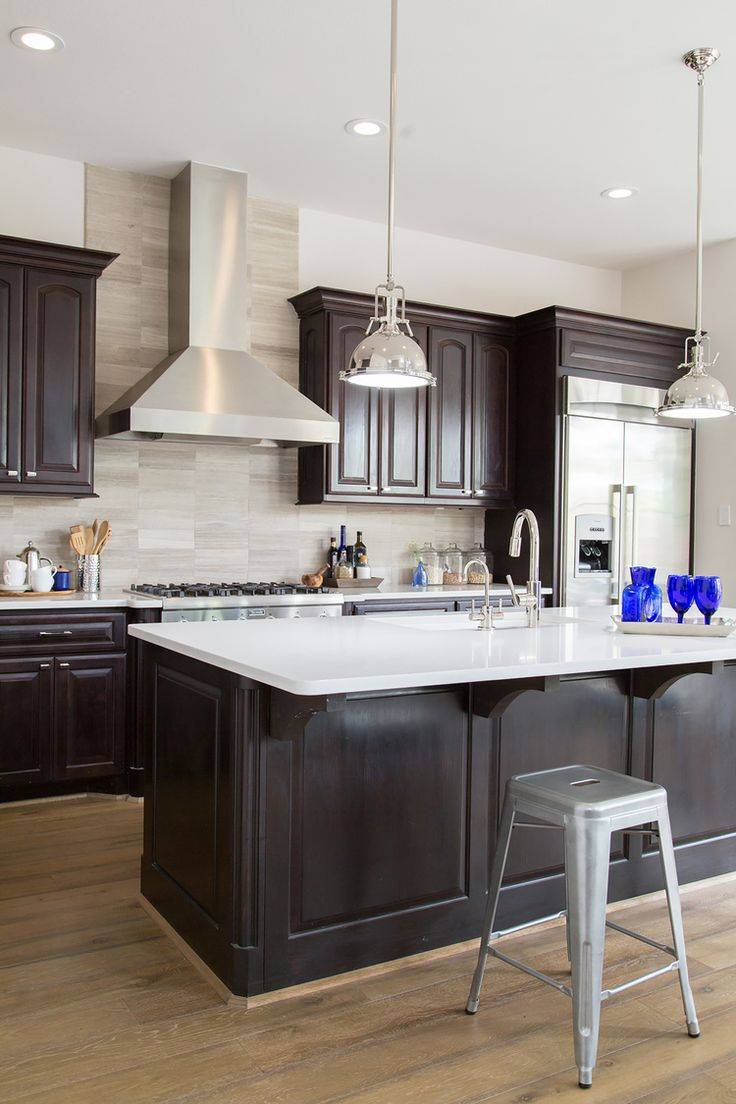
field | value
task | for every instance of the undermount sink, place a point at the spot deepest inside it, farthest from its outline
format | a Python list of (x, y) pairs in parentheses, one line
[(460, 622)]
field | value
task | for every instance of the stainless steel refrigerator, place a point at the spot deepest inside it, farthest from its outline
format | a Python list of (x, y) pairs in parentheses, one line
[(626, 490)]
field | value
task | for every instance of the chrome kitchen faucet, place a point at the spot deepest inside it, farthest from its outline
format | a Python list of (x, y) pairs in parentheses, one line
[(532, 600)]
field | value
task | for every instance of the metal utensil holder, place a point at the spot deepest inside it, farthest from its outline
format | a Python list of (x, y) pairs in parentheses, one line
[(88, 572)]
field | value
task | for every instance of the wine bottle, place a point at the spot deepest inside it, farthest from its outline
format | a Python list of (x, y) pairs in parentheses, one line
[(332, 556), (342, 546), (360, 549)]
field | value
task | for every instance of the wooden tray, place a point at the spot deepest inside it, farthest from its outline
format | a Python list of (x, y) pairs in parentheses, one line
[(668, 626), (353, 584), (37, 593)]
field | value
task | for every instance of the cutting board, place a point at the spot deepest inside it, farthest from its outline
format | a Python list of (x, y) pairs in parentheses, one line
[(37, 594)]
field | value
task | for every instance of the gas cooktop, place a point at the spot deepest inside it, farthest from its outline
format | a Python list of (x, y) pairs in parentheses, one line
[(222, 590)]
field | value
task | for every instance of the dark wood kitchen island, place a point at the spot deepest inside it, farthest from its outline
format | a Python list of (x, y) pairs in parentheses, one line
[(323, 795)]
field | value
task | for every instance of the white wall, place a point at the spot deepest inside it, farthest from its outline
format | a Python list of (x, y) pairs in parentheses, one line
[(337, 251), (665, 292), (41, 197)]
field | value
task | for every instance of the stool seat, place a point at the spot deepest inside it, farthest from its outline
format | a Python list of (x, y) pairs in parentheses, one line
[(580, 790), (588, 804)]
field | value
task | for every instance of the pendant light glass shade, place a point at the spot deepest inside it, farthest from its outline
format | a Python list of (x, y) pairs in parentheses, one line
[(388, 356), (698, 394)]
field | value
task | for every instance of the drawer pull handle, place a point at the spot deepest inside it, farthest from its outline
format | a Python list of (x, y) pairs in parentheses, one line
[(63, 664), (31, 475), (42, 665), (63, 632), (11, 472)]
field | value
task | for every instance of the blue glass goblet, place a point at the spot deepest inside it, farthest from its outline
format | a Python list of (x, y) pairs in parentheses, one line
[(680, 594), (708, 594)]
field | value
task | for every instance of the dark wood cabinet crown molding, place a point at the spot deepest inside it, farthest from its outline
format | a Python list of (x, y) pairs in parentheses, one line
[(322, 298), (66, 258)]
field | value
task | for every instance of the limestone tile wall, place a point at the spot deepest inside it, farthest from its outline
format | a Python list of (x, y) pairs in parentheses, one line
[(203, 511)]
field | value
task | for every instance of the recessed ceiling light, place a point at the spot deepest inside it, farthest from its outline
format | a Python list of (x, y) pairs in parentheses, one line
[(364, 128), (622, 191), (33, 38)]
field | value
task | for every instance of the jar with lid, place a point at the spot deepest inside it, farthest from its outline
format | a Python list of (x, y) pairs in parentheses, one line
[(430, 557), (452, 570), (476, 575)]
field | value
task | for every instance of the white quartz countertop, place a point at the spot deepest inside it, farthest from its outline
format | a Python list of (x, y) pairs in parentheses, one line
[(79, 600), (406, 590), (394, 651)]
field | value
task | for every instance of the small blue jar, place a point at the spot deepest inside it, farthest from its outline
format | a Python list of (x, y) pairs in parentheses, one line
[(642, 598)]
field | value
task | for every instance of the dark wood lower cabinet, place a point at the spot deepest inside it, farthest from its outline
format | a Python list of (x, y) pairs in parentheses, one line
[(64, 704), (26, 710), (291, 838), (89, 701)]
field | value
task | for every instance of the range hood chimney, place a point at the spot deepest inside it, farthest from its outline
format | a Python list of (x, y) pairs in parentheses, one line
[(209, 387)]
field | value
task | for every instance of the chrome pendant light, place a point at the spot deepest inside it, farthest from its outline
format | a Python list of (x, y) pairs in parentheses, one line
[(388, 356), (698, 394)]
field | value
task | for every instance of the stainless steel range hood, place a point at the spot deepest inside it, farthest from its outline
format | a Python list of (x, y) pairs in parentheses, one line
[(209, 387)]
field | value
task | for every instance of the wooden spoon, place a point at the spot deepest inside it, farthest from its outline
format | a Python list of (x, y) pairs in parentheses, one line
[(101, 537), (77, 541)]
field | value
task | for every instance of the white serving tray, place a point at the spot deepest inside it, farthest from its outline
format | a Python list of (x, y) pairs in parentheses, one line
[(668, 626)]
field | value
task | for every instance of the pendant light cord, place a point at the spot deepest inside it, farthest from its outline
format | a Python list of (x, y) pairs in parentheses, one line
[(392, 146), (699, 217)]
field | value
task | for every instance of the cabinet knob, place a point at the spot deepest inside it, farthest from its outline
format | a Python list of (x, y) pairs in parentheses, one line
[(370, 488), (31, 475)]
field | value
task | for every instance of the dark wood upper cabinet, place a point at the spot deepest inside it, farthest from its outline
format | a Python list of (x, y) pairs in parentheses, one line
[(450, 426), (11, 371), (423, 445), (353, 462), (47, 366), (58, 403), (26, 718), (492, 420), (404, 436)]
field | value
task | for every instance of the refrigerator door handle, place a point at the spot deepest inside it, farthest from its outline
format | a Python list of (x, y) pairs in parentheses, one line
[(617, 490), (630, 489)]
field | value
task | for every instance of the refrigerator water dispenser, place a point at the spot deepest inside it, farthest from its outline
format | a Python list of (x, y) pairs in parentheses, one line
[(593, 544)]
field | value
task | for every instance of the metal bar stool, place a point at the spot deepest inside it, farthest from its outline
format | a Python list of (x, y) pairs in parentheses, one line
[(588, 803)]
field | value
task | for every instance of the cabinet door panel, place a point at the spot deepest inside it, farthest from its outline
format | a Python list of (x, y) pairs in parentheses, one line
[(352, 466), (404, 436), (491, 419), (450, 360), (11, 324), (90, 716), (25, 721), (59, 383)]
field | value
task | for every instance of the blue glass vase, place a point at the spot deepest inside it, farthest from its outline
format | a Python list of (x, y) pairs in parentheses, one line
[(642, 598)]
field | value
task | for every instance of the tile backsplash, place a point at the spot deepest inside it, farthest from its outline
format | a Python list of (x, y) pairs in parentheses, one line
[(182, 511)]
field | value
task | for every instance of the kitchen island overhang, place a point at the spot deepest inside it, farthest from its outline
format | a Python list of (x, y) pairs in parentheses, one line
[(294, 835)]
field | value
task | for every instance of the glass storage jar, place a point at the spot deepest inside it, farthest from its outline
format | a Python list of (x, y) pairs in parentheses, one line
[(476, 575), (430, 557), (452, 569)]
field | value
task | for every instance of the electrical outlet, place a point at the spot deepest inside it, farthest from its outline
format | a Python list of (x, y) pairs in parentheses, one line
[(724, 515)]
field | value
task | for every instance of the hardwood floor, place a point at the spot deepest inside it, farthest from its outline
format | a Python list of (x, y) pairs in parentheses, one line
[(96, 1005)]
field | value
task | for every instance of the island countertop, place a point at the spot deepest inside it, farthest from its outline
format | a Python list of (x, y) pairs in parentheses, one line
[(395, 651)]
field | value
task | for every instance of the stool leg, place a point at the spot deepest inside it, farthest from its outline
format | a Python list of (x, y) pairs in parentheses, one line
[(669, 871), (494, 889), (587, 849)]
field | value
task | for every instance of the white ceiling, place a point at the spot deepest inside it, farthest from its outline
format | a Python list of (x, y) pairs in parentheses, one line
[(513, 116)]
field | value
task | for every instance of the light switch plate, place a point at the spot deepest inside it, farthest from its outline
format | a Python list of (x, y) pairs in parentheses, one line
[(724, 515)]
